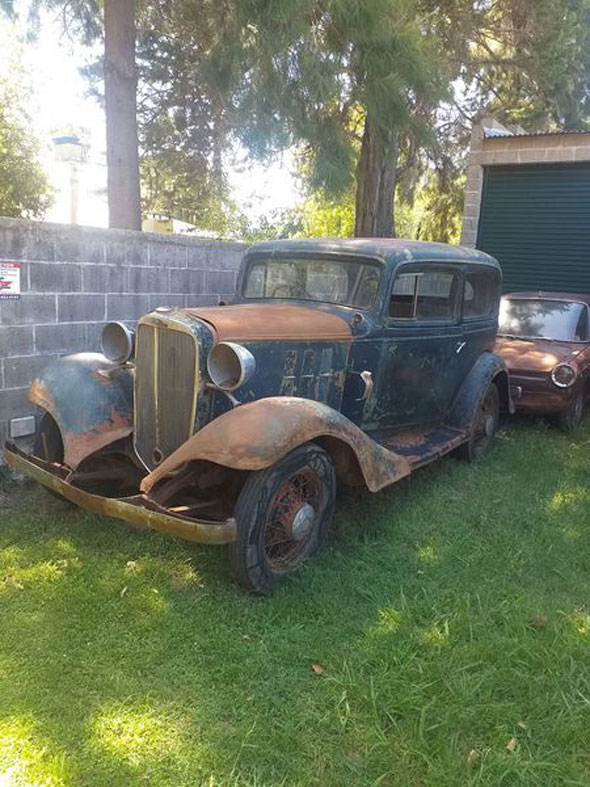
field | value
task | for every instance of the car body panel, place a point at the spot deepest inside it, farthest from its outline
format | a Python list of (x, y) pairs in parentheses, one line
[(91, 402), (256, 435)]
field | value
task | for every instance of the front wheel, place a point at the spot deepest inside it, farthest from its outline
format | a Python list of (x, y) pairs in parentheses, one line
[(49, 446), (571, 418), (484, 426), (283, 515)]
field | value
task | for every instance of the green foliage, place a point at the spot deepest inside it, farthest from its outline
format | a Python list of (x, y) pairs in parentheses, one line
[(531, 60), (287, 223), (276, 74), (24, 188), (450, 615), (306, 73)]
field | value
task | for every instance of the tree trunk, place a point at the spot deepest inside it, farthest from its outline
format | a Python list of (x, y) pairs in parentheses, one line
[(375, 184), (120, 82)]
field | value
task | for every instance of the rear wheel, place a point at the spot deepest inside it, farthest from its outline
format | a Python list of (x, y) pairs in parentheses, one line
[(283, 515), (571, 418), (484, 426)]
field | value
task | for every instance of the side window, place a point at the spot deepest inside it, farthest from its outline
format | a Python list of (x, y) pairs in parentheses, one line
[(428, 296), (582, 326), (403, 297), (481, 294)]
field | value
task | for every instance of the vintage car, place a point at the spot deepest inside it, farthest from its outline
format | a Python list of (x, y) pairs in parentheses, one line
[(349, 360), (544, 337)]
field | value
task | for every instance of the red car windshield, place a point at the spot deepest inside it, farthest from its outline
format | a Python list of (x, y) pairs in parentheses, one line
[(533, 318)]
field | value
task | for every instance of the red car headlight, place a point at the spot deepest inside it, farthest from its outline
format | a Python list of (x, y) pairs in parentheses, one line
[(564, 375)]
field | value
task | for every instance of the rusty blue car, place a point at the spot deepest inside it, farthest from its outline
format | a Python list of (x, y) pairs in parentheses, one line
[(338, 362)]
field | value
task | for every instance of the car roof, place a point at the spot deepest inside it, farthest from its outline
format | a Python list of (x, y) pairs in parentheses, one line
[(394, 250), (579, 297)]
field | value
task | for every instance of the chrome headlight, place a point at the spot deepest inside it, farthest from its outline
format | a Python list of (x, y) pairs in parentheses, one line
[(118, 342), (564, 375), (230, 365)]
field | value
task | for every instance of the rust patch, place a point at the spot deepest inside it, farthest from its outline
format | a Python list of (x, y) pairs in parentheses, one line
[(79, 445), (265, 321), (38, 394), (137, 510), (256, 435)]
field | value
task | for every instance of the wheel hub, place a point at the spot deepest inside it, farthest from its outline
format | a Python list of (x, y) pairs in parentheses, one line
[(488, 425), (303, 522)]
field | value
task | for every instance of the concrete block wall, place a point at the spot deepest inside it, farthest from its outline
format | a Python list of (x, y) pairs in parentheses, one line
[(74, 279), (519, 149)]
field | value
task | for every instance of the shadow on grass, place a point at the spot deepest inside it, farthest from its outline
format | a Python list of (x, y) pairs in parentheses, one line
[(449, 615)]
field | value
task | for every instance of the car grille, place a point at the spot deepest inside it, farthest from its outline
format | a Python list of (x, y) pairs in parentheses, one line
[(165, 390)]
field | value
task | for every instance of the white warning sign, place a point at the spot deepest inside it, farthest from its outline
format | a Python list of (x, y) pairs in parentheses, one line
[(9, 280)]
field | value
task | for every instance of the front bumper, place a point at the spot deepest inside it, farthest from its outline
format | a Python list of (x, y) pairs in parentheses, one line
[(538, 395), (138, 510)]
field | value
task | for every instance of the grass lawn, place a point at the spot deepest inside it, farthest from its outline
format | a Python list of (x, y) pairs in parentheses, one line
[(449, 622)]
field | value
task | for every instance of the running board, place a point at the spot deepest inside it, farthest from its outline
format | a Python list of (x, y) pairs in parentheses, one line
[(421, 445)]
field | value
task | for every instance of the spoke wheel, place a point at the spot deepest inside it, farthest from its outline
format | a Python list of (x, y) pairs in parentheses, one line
[(282, 515), (484, 427), (289, 526)]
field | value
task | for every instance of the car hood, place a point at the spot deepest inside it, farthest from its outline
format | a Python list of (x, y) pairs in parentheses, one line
[(537, 355), (272, 321)]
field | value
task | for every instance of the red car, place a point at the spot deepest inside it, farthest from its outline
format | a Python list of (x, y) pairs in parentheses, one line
[(5, 284), (544, 337)]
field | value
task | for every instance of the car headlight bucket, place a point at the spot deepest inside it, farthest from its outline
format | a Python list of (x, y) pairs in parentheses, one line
[(230, 365), (117, 342), (564, 375)]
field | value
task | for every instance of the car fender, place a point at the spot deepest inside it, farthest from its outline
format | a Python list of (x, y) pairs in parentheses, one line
[(254, 436), (488, 368), (91, 402)]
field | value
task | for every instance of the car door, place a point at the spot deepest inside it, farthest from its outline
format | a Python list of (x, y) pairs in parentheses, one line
[(479, 312), (421, 348)]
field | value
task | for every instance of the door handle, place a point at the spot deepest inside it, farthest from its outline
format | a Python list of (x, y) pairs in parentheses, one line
[(459, 346), (367, 379)]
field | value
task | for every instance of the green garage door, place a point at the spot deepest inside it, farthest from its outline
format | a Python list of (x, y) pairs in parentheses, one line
[(536, 221)]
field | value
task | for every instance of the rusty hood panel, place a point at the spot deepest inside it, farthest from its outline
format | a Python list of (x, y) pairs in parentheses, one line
[(256, 435), (538, 355), (272, 321)]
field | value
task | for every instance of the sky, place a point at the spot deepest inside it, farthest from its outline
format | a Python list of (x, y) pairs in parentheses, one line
[(61, 103)]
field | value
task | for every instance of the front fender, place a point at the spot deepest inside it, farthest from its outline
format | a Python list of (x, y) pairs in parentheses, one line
[(488, 368), (91, 403), (254, 436)]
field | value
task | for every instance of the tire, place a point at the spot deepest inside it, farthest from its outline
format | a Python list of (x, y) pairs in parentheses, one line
[(48, 445), (300, 491), (484, 426), (570, 419)]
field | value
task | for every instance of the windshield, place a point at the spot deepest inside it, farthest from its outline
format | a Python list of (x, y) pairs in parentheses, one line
[(348, 282), (540, 318)]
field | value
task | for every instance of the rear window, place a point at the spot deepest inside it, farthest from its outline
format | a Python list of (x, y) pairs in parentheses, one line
[(481, 294), (427, 296)]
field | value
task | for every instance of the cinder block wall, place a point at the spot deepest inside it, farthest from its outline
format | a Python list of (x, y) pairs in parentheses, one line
[(74, 279)]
